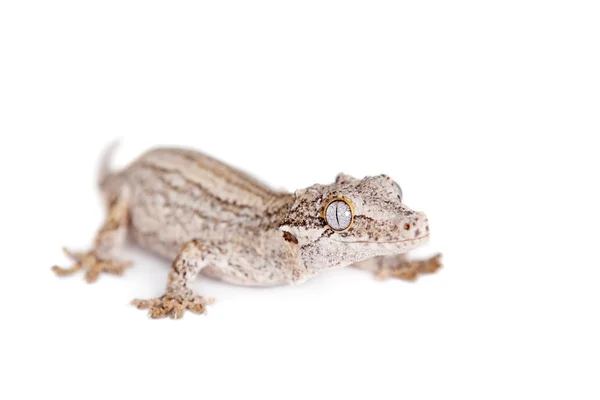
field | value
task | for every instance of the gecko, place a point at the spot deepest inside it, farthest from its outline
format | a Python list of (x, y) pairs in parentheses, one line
[(212, 219)]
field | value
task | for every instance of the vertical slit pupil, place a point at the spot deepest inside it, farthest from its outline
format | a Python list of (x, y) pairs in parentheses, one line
[(338, 215)]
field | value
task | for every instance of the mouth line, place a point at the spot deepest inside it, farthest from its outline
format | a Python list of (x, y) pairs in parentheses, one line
[(420, 238)]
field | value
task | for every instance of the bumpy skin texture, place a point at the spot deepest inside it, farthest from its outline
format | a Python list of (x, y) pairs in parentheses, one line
[(215, 220)]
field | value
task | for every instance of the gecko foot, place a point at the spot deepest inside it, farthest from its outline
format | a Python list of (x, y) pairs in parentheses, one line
[(410, 270), (92, 265), (174, 304)]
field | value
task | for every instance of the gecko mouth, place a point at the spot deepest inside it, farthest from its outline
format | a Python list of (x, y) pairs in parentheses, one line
[(415, 240)]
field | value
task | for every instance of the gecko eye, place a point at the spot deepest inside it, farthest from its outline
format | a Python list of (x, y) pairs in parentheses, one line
[(399, 190), (339, 213)]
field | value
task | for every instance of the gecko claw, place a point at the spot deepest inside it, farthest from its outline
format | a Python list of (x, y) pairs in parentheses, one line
[(173, 306), (411, 270), (93, 265)]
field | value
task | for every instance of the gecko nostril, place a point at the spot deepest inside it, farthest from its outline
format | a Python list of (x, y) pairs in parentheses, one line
[(407, 227)]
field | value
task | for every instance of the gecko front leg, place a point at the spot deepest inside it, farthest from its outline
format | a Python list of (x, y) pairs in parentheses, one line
[(178, 296), (109, 240), (397, 266)]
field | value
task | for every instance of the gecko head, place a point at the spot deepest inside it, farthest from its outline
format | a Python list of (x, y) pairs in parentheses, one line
[(352, 220)]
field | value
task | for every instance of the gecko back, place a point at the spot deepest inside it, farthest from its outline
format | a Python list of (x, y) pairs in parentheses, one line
[(176, 195)]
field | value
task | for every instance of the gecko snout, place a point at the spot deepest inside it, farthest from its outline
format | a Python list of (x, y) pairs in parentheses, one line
[(418, 227)]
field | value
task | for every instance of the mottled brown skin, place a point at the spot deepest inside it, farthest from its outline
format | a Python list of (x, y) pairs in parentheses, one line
[(213, 219)]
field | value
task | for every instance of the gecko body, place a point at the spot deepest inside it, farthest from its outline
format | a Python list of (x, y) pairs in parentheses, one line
[(215, 220)]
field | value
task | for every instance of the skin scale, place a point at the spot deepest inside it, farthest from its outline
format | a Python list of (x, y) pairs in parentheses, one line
[(214, 220)]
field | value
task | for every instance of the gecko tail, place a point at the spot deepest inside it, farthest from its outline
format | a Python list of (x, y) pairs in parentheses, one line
[(105, 172)]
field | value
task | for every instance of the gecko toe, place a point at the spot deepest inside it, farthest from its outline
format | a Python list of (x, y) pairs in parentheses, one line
[(173, 305), (410, 270), (93, 265)]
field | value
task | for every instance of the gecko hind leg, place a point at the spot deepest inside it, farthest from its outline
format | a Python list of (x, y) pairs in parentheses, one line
[(178, 296), (109, 239), (397, 266)]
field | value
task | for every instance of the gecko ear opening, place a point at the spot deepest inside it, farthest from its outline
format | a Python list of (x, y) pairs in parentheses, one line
[(290, 237), (345, 178)]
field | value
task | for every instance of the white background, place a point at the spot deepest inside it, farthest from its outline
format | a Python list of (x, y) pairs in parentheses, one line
[(487, 113)]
